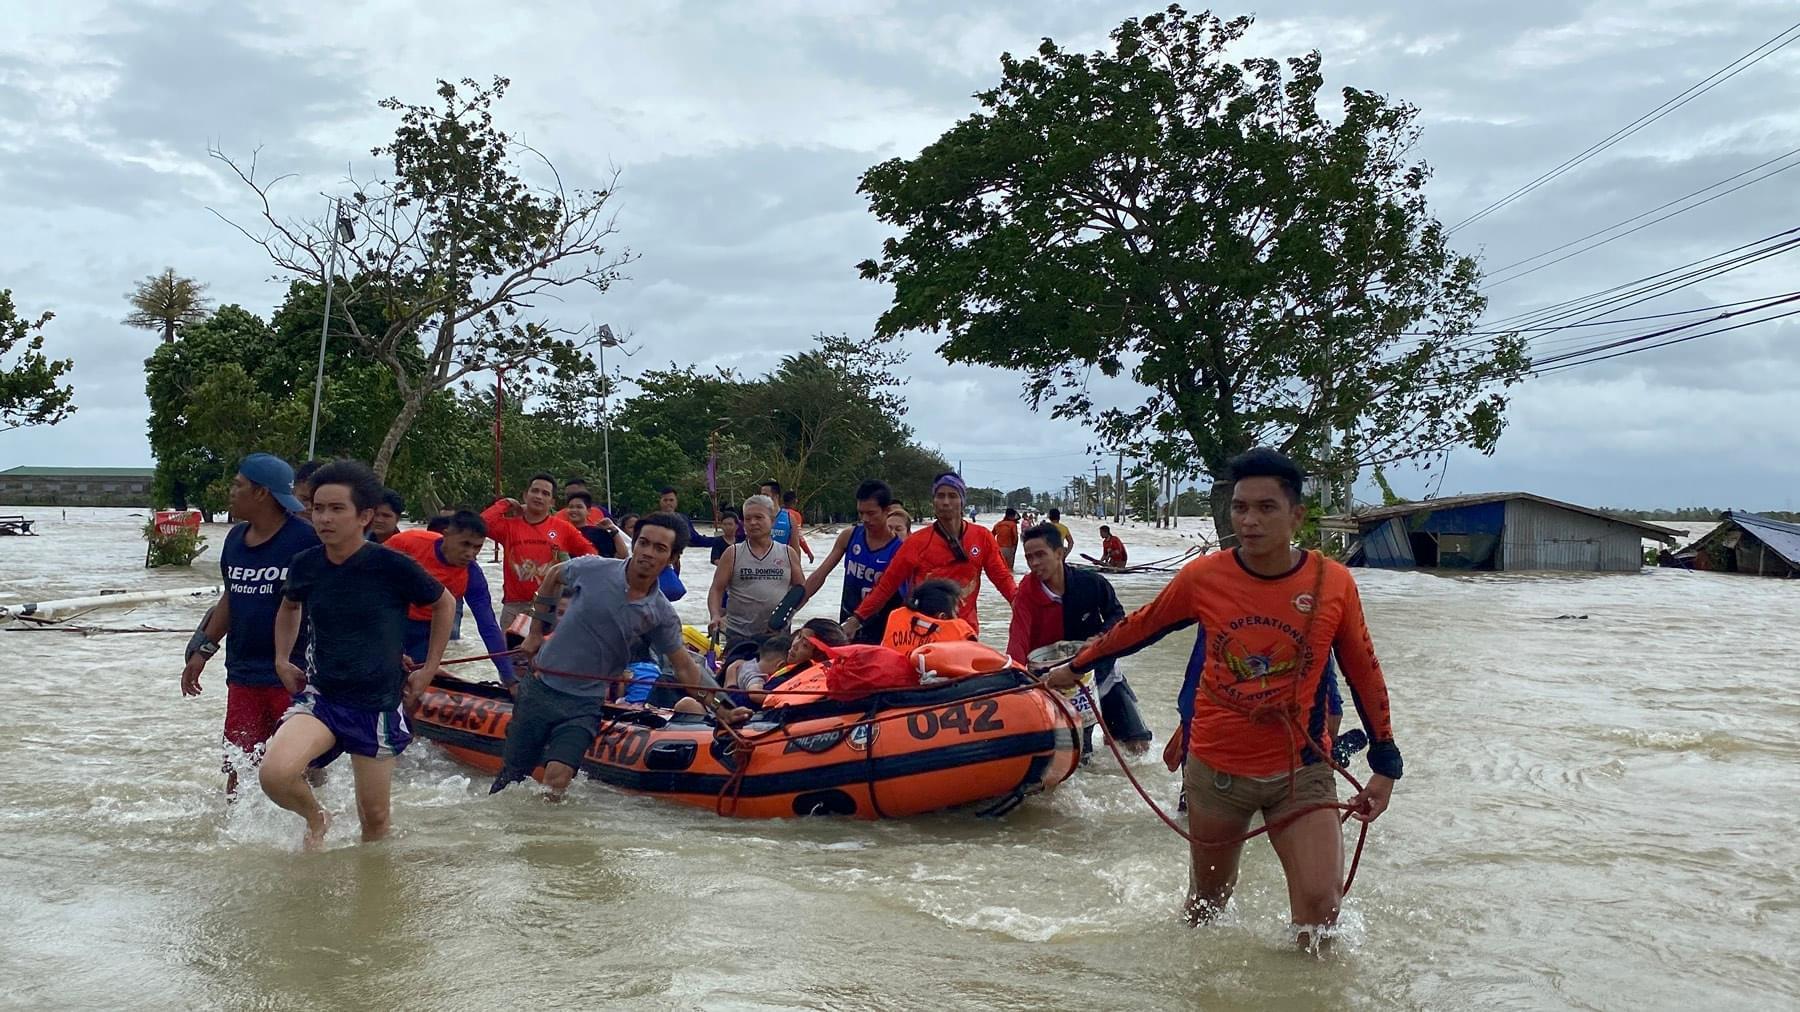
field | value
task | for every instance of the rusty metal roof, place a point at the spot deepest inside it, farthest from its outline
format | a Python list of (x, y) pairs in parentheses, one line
[(1451, 502)]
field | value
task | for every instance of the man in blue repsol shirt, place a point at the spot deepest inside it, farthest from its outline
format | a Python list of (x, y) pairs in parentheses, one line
[(254, 563)]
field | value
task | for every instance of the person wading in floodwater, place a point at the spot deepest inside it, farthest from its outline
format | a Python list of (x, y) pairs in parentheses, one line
[(254, 564), (752, 579), (355, 594), (1269, 616), (1055, 603), (533, 539), (866, 549), (614, 609), (952, 548)]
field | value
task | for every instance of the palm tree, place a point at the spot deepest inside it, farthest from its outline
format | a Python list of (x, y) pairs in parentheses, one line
[(167, 302)]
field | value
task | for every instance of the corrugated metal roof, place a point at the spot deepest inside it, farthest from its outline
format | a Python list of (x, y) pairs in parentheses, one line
[(1782, 538), (24, 471), (1457, 501)]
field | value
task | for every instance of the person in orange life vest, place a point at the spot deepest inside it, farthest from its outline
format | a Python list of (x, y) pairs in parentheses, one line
[(1056, 603), (1112, 550), (451, 559), (595, 513), (1006, 535), (1270, 616), (952, 547), (929, 616), (533, 539), (387, 516)]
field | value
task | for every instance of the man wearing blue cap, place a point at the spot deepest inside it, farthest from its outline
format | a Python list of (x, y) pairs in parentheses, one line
[(254, 563)]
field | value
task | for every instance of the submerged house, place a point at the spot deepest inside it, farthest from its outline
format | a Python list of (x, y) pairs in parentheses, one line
[(1497, 531), (1746, 543)]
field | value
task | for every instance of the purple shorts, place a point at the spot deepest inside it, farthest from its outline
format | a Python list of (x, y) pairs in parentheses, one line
[(377, 734)]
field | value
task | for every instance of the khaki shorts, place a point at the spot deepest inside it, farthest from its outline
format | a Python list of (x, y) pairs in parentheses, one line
[(1226, 796)]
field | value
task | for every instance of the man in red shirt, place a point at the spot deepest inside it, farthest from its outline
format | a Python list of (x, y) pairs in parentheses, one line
[(1112, 550), (1269, 615), (952, 548), (534, 540)]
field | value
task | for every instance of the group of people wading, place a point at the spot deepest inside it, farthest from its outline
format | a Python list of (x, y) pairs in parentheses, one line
[(334, 621)]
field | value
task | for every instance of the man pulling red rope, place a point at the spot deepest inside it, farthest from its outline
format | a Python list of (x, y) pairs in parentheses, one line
[(1269, 616)]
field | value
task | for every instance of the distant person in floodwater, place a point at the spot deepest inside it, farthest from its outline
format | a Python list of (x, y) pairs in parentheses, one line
[(1006, 535), (1269, 615), (1112, 550), (1054, 517)]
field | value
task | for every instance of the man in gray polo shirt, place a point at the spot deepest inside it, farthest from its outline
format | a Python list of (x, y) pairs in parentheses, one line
[(614, 606)]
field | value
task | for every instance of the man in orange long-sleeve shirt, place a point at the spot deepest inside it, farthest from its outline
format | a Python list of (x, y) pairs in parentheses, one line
[(951, 548), (1269, 615)]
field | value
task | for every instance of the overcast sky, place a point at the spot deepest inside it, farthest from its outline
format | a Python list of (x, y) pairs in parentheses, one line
[(741, 130)]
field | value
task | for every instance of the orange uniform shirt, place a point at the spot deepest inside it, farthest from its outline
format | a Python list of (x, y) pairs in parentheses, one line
[(531, 549), (907, 629), (1263, 641), (421, 546), (925, 555), (1006, 534)]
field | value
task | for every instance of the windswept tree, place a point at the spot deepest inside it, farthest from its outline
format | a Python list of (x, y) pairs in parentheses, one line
[(456, 250), (31, 387), (167, 302), (1269, 276)]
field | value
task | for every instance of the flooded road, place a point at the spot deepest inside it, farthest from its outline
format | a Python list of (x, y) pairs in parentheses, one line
[(1597, 813)]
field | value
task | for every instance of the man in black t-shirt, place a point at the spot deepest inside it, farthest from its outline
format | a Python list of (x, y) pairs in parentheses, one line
[(349, 699)]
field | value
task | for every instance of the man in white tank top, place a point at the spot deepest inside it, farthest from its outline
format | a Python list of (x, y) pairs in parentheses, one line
[(752, 578)]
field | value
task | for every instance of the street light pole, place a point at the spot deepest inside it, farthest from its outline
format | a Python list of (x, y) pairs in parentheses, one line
[(605, 334), (340, 228)]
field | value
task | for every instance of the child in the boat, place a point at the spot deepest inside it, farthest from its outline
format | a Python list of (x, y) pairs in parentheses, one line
[(928, 617)]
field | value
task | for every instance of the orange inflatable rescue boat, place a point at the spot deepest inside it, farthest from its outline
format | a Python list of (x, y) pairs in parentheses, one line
[(980, 732)]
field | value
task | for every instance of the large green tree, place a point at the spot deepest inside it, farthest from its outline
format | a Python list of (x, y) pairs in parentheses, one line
[(31, 388), (1155, 209), (456, 250), (166, 303)]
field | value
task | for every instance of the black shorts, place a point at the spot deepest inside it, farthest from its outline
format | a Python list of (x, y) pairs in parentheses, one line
[(547, 726)]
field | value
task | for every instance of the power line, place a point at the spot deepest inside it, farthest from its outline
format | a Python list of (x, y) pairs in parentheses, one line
[(1665, 344), (1639, 339), (1647, 224), (1693, 91)]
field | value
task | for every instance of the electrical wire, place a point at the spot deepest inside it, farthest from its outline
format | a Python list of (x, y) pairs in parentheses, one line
[(1693, 91)]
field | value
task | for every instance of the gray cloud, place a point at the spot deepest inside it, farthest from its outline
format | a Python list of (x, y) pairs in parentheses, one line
[(741, 131)]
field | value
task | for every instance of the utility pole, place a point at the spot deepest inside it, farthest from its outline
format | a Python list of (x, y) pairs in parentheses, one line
[(1119, 489), (1099, 504), (341, 231)]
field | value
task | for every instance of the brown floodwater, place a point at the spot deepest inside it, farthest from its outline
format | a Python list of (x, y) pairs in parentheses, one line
[(1597, 813)]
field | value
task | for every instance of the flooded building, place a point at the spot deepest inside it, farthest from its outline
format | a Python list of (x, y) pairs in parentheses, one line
[(1746, 543), (76, 486), (1497, 531)]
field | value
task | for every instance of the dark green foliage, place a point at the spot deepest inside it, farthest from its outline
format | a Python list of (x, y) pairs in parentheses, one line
[(31, 391), (1158, 211)]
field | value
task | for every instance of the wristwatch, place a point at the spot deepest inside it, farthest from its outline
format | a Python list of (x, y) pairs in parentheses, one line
[(208, 648)]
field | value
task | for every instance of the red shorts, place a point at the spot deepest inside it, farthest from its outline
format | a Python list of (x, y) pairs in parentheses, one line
[(251, 715)]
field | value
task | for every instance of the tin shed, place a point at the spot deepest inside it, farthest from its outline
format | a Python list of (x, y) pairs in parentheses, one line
[(1509, 531)]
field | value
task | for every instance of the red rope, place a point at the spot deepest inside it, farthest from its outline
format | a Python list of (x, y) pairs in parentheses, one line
[(1287, 716)]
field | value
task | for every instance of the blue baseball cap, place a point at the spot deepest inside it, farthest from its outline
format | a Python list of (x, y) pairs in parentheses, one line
[(274, 474)]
